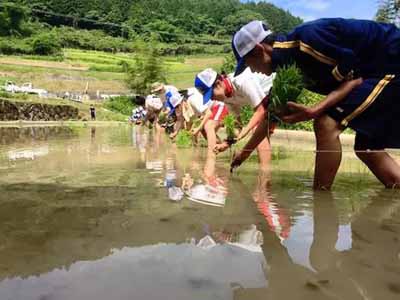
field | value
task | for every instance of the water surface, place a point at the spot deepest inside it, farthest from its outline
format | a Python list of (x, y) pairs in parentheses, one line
[(121, 213)]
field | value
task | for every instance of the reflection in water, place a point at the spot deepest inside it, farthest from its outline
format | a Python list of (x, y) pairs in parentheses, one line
[(62, 213), (198, 272), (15, 135), (213, 191), (28, 153)]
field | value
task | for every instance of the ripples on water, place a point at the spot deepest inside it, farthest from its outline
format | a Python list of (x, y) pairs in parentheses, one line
[(120, 213)]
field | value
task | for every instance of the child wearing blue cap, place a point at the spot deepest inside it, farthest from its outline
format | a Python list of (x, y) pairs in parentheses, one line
[(174, 104), (357, 65)]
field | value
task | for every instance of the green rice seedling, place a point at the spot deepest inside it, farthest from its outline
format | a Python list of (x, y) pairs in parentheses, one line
[(229, 123), (184, 139), (196, 123), (288, 85), (162, 118)]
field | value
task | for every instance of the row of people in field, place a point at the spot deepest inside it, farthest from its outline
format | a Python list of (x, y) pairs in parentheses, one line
[(355, 63)]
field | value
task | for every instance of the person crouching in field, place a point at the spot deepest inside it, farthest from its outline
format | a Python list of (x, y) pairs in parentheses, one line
[(357, 65), (153, 105), (247, 89), (165, 92), (211, 122), (174, 104)]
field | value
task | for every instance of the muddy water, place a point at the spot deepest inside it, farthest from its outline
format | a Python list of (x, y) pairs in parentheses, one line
[(120, 213)]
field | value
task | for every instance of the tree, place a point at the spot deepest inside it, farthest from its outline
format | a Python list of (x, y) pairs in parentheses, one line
[(12, 18), (189, 16), (46, 44), (148, 67), (389, 12), (229, 64), (233, 22)]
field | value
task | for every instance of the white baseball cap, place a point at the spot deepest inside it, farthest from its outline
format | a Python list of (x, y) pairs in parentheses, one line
[(246, 39)]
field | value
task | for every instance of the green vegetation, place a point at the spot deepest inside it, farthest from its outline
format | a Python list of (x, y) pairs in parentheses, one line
[(229, 64), (229, 123), (246, 113), (287, 86), (184, 139), (172, 19), (46, 44), (163, 117), (307, 98), (179, 26), (116, 46), (147, 69), (388, 12), (278, 153), (123, 105), (104, 71), (12, 19)]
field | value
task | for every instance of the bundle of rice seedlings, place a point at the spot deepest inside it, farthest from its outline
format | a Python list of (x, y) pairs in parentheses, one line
[(196, 123), (162, 118), (288, 85), (229, 123), (184, 139)]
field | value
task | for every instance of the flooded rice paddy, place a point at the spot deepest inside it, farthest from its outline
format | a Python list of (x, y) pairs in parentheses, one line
[(121, 213)]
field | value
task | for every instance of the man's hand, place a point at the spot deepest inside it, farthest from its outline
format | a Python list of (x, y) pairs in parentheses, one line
[(299, 113), (238, 159), (195, 131), (221, 147), (173, 135)]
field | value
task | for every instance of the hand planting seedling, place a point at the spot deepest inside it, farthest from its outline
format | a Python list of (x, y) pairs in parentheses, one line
[(229, 123), (288, 85)]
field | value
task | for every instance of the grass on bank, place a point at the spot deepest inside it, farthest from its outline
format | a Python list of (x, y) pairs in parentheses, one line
[(103, 71)]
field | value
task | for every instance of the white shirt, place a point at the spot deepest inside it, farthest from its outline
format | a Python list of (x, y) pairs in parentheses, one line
[(153, 102), (168, 88), (249, 88), (195, 99)]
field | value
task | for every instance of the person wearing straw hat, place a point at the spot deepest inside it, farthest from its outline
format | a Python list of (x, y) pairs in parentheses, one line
[(356, 64), (161, 90), (247, 89)]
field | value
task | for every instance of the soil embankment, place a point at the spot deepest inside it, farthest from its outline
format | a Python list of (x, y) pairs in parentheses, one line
[(14, 110)]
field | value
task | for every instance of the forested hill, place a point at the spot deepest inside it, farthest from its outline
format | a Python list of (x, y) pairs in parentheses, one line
[(217, 18), (175, 27)]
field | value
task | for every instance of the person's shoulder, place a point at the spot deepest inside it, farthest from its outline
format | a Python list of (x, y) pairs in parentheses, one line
[(313, 25), (171, 88), (242, 79)]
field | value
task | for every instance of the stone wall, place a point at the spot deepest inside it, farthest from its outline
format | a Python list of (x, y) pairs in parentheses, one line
[(12, 111)]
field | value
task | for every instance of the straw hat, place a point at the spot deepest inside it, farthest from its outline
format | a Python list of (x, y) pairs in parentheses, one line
[(156, 87)]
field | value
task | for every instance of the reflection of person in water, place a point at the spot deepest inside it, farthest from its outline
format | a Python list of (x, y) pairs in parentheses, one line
[(368, 269), (213, 191), (93, 133), (277, 217)]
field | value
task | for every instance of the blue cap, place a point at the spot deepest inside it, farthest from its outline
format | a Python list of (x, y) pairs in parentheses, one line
[(204, 82), (173, 100), (241, 63)]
